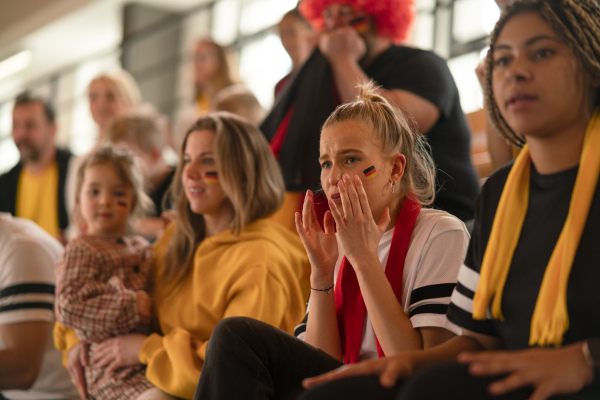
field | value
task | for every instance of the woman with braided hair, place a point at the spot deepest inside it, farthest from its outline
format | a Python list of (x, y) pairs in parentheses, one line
[(527, 295)]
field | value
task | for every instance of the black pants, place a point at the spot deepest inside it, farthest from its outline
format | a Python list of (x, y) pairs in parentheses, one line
[(450, 381), (248, 359)]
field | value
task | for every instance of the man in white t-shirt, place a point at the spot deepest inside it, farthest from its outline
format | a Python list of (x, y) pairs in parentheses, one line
[(30, 366)]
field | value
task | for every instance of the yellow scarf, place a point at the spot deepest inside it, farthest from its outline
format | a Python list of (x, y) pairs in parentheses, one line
[(550, 319)]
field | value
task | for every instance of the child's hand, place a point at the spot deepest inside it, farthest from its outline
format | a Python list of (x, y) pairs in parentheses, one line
[(144, 303)]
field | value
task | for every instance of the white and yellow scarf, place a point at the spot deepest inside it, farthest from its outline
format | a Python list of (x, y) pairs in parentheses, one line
[(550, 319)]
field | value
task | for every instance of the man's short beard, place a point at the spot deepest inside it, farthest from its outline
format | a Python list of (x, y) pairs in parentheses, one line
[(32, 155)]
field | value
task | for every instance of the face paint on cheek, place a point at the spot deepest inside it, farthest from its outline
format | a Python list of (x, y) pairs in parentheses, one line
[(122, 203), (211, 177), (360, 25), (370, 172)]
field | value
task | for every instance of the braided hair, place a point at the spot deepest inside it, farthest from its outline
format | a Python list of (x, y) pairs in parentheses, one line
[(577, 22)]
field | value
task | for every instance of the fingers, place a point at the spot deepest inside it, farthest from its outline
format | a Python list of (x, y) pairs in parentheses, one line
[(337, 215), (389, 376), (328, 223), (373, 367), (346, 203), (543, 391), (491, 363), (81, 390), (511, 382), (309, 215), (78, 379), (103, 361), (351, 204), (113, 366), (363, 201), (499, 363), (84, 355), (298, 222), (77, 372), (353, 194), (339, 373)]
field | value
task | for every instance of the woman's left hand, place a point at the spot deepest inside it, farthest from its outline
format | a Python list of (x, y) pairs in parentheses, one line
[(118, 352), (356, 228), (549, 371)]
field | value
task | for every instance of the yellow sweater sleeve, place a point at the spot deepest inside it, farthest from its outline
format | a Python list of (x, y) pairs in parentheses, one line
[(64, 340), (174, 361)]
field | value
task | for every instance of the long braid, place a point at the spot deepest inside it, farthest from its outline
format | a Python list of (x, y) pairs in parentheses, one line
[(577, 22)]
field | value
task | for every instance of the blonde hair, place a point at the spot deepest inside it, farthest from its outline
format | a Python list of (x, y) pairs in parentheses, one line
[(576, 22), (238, 100), (396, 135), (125, 85), (248, 174), (225, 75), (141, 129), (123, 163)]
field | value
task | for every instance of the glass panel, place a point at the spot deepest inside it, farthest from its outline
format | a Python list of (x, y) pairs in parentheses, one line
[(473, 19), (9, 155), (261, 77), (425, 5), (225, 21), (262, 14), (6, 119), (422, 35), (463, 70), (83, 130)]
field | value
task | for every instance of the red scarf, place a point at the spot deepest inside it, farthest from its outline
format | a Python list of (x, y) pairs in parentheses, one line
[(349, 304)]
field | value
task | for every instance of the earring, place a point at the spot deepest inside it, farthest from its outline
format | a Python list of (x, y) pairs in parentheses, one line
[(392, 186)]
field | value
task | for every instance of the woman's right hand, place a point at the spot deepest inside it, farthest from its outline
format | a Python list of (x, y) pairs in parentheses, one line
[(321, 245), (389, 370), (77, 360), (144, 303)]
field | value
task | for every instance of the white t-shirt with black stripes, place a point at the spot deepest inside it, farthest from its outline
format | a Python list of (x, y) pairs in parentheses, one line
[(437, 249), (27, 257)]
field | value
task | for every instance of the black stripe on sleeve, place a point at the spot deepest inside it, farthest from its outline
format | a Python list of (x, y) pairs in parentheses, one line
[(431, 292), (25, 288), (465, 320), (302, 327), (465, 291), (23, 306), (430, 309)]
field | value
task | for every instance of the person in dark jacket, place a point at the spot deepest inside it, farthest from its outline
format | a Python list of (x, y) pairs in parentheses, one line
[(35, 187)]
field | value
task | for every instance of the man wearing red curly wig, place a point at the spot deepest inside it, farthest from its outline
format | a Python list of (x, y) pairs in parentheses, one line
[(357, 43)]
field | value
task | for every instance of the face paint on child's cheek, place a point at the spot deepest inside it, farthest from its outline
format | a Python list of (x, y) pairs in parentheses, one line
[(370, 172), (122, 203), (360, 25), (211, 177)]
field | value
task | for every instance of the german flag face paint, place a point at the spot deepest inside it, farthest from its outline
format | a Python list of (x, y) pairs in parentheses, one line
[(360, 24), (370, 172), (211, 177), (122, 203)]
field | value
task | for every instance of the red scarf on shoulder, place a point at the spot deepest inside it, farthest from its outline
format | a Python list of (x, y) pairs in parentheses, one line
[(349, 304)]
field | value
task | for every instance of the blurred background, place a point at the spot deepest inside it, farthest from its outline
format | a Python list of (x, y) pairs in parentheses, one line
[(55, 47)]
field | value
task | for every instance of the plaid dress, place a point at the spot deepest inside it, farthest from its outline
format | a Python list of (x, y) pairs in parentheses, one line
[(96, 280)]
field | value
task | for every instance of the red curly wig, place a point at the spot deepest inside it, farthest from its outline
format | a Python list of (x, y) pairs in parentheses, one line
[(392, 17)]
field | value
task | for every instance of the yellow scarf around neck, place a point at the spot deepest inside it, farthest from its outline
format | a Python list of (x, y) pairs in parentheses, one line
[(550, 319)]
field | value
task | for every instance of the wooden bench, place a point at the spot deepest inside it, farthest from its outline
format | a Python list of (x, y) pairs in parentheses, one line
[(479, 150)]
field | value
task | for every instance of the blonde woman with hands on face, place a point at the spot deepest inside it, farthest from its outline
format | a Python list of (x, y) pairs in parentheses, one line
[(377, 288)]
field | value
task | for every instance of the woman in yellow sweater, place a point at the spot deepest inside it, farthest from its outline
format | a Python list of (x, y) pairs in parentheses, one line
[(221, 257)]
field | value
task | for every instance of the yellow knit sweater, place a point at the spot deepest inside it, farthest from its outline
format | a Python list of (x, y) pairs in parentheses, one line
[(257, 274)]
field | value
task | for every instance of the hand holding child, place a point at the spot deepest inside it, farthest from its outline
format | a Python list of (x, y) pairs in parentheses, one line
[(144, 303)]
